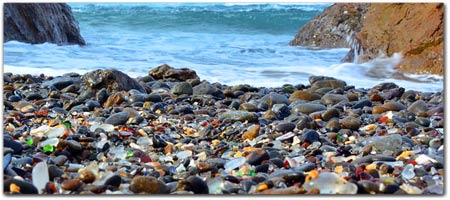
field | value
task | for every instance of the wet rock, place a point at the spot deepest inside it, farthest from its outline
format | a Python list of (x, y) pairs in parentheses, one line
[(379, 109), (252, 132), (14, 98), (350, 122), (112, 80), (60, 160), (182, 88), (14, 145), (87, 176), (274, 98), (257, 156), (71, 185), (248, 107), (147, 185), (285, 127), (362, 103), (394, 106), (307, 108), (240, 116), (425, 122), (418, 107), (196, 185), (333, 125), (167, 72), (114, 181), (118, 118), (74, 146), (54, 172), (115, 99), (331, 28), (24, 186), (135, 117), (205, 88), (305, 121), (49, 22), (331, 99), (330, 113), (24, 107), (328, 84), (310, 136), (304, 95)]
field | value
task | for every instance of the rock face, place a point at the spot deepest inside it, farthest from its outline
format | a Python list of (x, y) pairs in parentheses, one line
[(416, 30), (112, 80), (332, 28), (37, 23)]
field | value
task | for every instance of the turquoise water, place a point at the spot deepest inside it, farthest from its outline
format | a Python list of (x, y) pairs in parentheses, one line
[(226, 43)]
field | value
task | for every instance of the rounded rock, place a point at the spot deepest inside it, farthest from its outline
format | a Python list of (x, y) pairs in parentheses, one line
[(118, 118), (182, 88), (147, 185)]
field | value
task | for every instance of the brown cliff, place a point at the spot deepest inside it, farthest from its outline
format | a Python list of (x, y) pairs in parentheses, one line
[(37, 23), (416, 30)]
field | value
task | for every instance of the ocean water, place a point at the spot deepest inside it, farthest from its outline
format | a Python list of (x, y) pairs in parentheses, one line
[(226, 43)]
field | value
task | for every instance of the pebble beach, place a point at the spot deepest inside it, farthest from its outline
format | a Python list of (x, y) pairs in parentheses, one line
[(171, 132)]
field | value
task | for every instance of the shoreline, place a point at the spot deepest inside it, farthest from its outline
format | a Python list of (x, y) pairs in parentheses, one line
[(172, 132)]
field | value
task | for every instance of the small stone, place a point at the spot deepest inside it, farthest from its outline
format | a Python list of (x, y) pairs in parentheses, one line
[(72, 184), (423, 121), (303, 95), (14, 145), (114, 181), (376, 97), (240, 116), (23, 186), (285, 127), (351, 123), (331, 99), (307, 108), (115, 99), (118, 118), (252, 132), (248, 107), (418, 107), (257, 156), (362, 103), (196, 185), (330, 113), (54, 172), (394, 106), (333, 125), (87, 176), (379, 109), (310, 136), (147, 185), (74, 146)]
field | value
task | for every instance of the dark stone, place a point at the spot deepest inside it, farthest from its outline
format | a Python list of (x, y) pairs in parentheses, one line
[(262, 168), (362, 103), (310, 136), (60, 82), (25, 187), (205, 88), (257, 156), (112, 80), (37, 23), (14, 98), (16, 146), (307, 108), (114, 181), (34, 96), (148, 185), (118, 118), (330, 113), (54, 172), (196, 185), (285, 127)]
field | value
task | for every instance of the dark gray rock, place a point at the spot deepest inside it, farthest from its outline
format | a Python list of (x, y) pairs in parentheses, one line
[(118, 118), (112, 80), (37, 23), (182, 88), (310, 136)]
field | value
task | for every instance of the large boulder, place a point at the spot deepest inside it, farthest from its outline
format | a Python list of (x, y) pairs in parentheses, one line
[(37, 23), (414, 29), (112, 80), (333, 27)]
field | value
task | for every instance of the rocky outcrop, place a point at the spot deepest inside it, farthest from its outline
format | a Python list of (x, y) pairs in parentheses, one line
[(112, 80), (37, 23), (332, 28), (416, 30)]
